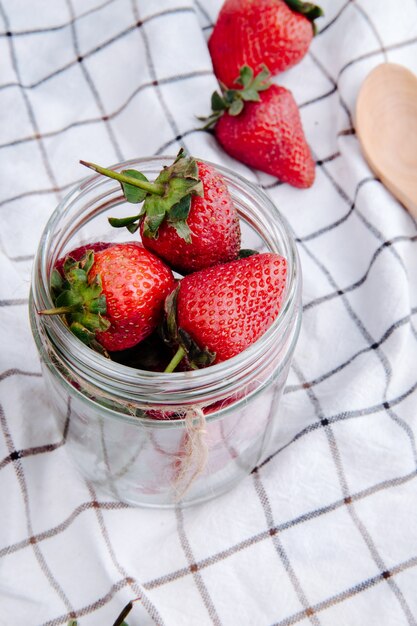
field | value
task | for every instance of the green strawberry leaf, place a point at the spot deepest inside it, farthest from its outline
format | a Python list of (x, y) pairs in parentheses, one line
[(154, 216), (67, 298), (197, 357), (245, 252), (170, 332), (87, 261), (180, 211), (99, 305), (122, 222), (236, 107), (68, 264), (83, 334), (183, 231), (250, 95), (76, 275), (56, 281), (245, 76), (217, 102), (177, 217), (262, 80), (131, 193)]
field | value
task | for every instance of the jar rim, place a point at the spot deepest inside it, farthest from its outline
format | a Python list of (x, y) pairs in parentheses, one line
[(91, 362)]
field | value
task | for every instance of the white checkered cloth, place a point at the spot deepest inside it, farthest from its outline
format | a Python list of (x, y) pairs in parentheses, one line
[(324, 531)]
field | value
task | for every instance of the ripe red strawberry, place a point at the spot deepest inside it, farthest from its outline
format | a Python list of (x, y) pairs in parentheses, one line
[(218, 312), (114, 298), (188, 217), (260, 125), (277, 33)]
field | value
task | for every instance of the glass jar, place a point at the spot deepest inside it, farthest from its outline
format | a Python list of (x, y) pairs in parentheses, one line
[(110, 411)]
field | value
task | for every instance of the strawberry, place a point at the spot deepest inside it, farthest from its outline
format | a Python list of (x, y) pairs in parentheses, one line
[(251, 32), (218, 312), (188, 217), (114, 298), (260, 125)]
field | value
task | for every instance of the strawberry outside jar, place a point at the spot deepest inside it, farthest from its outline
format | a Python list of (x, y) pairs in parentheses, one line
[(118, 419)]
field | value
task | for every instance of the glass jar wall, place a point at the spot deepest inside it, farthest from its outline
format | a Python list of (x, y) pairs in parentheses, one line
[(151, 438)]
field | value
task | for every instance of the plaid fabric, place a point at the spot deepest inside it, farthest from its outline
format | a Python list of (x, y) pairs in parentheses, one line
[(323, 532)]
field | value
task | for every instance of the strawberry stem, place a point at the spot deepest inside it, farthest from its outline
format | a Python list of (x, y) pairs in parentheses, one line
[(175, 361), (152, 188), (57, 311)]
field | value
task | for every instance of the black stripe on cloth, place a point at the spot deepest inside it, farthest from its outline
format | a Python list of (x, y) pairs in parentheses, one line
[(372, 228), (37, 192), (49, 29), (359, 324), (15, 371), (329, 77), (360, 281), (222, 555), (315, 381), (372, 28), (14, 455), (197, 577), (57, 530), (97, 49), (93, 89), (349, 593), (135, 586), (29, 108), (326, 229), (152, 72), (178, 139), (110, 116), (372, 53), (21, 258), (282, 527), (371, 341), (203, 11), (323, 96), (18, 467), (90, 608), (336, 17), (360, 525), (279, 548), (345, 415), (13, 302)]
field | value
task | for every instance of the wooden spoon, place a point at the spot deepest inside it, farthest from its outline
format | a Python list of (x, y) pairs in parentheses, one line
[(386, 124)]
